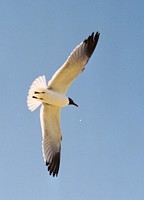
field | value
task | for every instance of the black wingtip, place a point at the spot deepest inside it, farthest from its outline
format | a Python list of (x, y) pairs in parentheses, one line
[(91, 43), (53, 166)]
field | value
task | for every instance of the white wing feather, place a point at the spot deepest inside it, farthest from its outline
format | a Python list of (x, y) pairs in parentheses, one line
[(51, 137), (74, 65)]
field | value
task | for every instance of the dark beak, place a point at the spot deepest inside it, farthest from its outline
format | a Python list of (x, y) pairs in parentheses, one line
[(71, 102), (75, 104)]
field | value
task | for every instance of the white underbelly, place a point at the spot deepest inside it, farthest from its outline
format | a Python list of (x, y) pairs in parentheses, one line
[(54, 98)]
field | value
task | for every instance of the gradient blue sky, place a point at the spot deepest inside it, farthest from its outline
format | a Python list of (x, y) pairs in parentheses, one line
[(103, 140)]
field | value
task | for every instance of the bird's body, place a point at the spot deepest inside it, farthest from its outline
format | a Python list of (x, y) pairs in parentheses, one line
[(53, 98)]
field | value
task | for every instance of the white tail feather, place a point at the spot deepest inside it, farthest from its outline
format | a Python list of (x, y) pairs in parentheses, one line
[(38, 84)]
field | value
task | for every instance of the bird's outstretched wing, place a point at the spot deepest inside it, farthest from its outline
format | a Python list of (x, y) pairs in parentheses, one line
[(74, 65), (51, 137)]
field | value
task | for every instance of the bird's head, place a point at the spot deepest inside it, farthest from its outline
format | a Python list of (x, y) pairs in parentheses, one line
[(71, 102)]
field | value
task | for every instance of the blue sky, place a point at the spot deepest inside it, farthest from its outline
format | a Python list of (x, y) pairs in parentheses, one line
[(102, 148)]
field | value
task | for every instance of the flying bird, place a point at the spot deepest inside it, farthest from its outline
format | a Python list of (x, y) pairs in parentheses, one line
[(53, 97)]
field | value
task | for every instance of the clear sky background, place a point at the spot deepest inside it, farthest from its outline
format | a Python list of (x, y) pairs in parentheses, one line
[(103, 140)]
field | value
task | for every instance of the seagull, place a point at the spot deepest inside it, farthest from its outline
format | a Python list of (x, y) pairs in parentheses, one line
[(52, 97)]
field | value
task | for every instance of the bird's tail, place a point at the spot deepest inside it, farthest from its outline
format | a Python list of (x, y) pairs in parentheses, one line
[(35, 92)]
